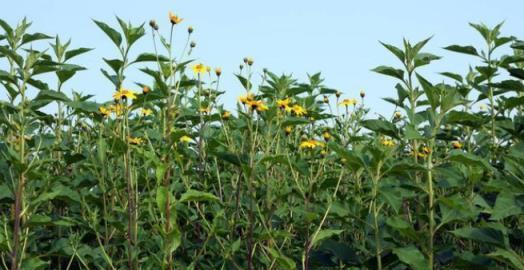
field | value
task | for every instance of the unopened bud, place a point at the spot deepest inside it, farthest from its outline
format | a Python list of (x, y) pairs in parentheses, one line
[(153, 24), (190, 29), (192, 44)]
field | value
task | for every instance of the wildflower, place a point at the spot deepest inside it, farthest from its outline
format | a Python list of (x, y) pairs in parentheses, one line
[(362, 93), (146, 89), (456, 145), (153, 24), (398, 115), (185, 139), (117, 109), (205, 110), (326, 136), (422, 155), (283, 103), (338, 94), (257, 105), (244, 99), (348, 101), (190, 29), (199, 68), (387, 142), (298, 110), (288, 130), (310, 144), (218, 71), (124, 94), (426, 150), (174, 18), (326, 99), (323, 153), (250, 61), (134, 140), (226, 115), (146, 112), (104, 111)]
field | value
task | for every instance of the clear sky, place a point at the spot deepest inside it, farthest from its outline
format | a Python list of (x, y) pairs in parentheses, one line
[(339, 38)]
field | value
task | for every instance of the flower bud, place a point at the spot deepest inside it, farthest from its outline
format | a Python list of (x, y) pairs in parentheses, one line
[(338, 94), (218, 71), (146, 89), (362, 93), (250, 61), (192, 44), (190, 29), (153, 24)]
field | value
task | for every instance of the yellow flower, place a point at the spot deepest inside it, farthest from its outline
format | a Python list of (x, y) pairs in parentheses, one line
[(348, 101), (257, 105), (174, 18), (117, 109), (326, 99), (124, 94), (185, 139), (456, 145), (218, 71), (362, 93), (326, 136), (205, 110), (244, 99), (310, 144), (288, 130), (387, 142), (145, 112), (226, 115), (283, 103), (298, 110), (426, 150), (134, 140), (199, 68), (398, 115), (104, 111), (146, 89)]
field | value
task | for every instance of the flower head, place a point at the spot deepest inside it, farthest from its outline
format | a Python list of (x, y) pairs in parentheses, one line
[(387, 142), (174, 18), (257, 105), (244, 99), (134, 140), (456, 145), (199, 68), (185, 139), (298, 110), (104, 111), (226, 115), (124, 94), (146, 89), (117, 109), (145, 112), (310, 144), (348, 101), (326, 136), (218, 71), (288, 130), (205, 110), (283, 103), (398, 115), (362, 93)]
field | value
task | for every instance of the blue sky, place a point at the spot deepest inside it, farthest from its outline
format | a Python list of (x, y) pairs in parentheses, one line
[(339, 38)]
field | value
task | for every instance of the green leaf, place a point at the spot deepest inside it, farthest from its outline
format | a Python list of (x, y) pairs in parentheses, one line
[(32, 37), (412, 256), (245, 82), (507, 204), (396, 51), (381, 127), (294, 121), (115, 64), (110, 32), (72, 53), (197, 196), (483, 235), (162, 194), (469, 159), (509, 257), (389, 71), (173, 240), (34, 263), (463, 49), (150, 57), (324, 234), (283, 261)]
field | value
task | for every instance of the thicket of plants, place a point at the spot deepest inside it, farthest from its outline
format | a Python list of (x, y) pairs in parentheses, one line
[(298, 176)]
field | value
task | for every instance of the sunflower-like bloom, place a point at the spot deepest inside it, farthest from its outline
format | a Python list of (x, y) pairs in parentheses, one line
[(310, 144), (205, 110), (348, 102), (174, 19), (146, 112), (244, 99), (226, 115), (426, 150), (326, 136), (124, 94), (298, 110), (288, 130), (456, 145), (185, 139), (387, 142), (257, 105), (105, 111), (134, 140), (117, 109), (283, 103), (199, 68)]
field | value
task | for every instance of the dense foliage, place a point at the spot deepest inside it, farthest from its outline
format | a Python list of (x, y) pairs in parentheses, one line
[(297, 177)]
